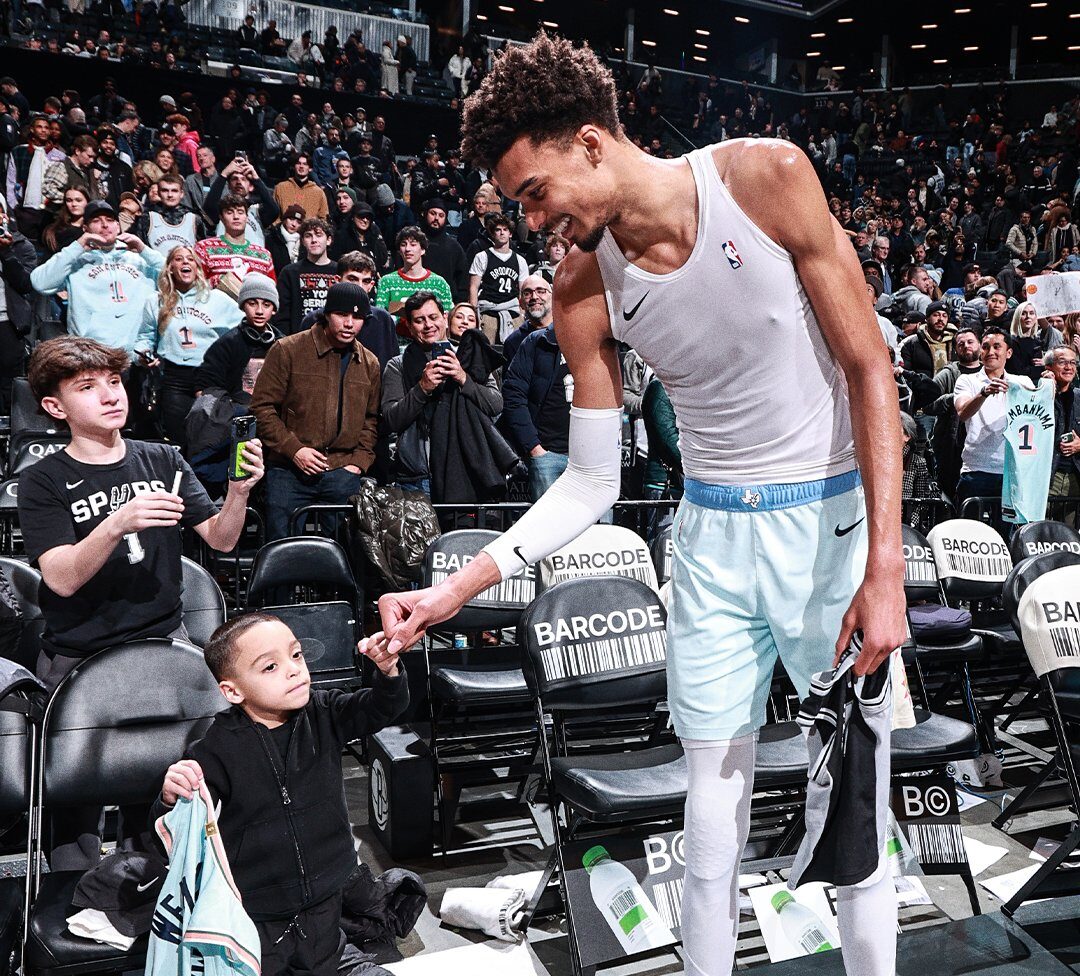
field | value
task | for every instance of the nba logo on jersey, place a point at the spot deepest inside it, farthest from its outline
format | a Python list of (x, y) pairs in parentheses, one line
[(732, 254)]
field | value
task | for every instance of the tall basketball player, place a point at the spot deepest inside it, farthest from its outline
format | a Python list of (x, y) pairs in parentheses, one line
[(726, 272)]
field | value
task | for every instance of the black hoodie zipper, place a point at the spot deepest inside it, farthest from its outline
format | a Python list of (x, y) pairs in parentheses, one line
[(262, 733)]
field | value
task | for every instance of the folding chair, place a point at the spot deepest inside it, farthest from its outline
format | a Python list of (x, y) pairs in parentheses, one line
[(1035, 538), (951, 654), (478, 699), (596, 646), (324, 614), (972, 562), (111, 729), (601, 550), (1049, 616), (203, 605), (26, 580), (1023, 575), (20, 721)]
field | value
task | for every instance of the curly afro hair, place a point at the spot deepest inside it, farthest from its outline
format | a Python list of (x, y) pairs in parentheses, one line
[(546, 90)]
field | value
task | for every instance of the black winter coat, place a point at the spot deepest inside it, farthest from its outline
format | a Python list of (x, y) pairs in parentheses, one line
[(285, 825)]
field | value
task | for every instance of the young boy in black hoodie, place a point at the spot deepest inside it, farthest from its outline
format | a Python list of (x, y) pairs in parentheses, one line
[(273, 761)]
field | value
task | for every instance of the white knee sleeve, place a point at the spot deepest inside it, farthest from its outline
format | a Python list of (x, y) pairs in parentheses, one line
[(721, 782)]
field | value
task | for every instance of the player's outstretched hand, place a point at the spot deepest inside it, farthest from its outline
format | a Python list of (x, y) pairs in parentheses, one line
[(181, 780), (406, 616)]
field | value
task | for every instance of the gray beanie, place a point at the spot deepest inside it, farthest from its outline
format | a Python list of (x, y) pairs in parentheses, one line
[(257, 285), (384, 196)]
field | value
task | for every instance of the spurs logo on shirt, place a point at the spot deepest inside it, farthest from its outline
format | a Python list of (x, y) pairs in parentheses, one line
[(99, 502)]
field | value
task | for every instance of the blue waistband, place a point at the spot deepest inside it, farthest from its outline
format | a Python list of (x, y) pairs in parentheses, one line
[(767, 498)]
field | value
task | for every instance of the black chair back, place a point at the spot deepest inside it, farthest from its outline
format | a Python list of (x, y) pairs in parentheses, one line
[(25, 580), (662, 547), (595, 643), (27, 417), (1025, 573), (30, 450), (121, 718), (1047, 535), (498, 606), (203, 603), (17, 729), (920, 573), (972, 560), (299, 561)]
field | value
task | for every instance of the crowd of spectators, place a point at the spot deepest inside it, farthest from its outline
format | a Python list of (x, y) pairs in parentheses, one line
[(202, 240)]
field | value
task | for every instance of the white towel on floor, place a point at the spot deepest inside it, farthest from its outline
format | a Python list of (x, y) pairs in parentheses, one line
[(526, 882), (494, 911), (94, 925)]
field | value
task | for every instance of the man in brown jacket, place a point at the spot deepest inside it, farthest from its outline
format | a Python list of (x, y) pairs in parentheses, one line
[(317, 405)]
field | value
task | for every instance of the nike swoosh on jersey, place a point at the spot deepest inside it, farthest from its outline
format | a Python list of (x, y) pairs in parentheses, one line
[(73, 485), (629, 315), (842, 532)]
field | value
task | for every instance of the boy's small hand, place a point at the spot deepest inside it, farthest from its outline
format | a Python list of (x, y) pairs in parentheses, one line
[(376, 647), (182, 780)]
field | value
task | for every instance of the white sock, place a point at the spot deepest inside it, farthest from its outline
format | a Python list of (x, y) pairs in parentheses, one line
[(721, 782)]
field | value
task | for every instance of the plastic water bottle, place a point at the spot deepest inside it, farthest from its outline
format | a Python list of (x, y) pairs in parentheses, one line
[(801, 925), (625, 907)]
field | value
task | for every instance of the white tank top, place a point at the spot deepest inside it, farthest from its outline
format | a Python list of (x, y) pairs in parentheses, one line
[(163, 236), (758, 397)]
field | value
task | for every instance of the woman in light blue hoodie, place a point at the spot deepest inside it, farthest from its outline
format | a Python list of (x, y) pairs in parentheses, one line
[(181, 320)]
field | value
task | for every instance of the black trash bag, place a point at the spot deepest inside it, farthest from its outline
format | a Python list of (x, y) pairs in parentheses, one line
[(381, 909)]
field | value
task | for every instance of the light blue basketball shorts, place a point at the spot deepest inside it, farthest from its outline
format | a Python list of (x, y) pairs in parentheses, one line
[(757, 572)]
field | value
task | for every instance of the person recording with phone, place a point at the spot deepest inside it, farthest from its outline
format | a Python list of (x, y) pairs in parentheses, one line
[(1065, 475), (108, 277), (414, 384), (240, 179), (316, 402)]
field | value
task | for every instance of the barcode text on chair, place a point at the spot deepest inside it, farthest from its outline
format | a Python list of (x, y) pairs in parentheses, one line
[(989, 567), (515, 589), (667, 896), (1066, 641), (596, 657), (937, 843)]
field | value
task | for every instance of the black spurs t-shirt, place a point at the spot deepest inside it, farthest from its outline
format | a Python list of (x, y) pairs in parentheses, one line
[(61, 501)]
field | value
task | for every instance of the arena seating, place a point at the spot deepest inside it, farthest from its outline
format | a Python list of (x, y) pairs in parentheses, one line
[(102, 744), (1048, 621), (203, 603), (481, 733)]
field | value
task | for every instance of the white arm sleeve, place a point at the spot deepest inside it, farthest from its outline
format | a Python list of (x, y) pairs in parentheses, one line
[(586, 489)]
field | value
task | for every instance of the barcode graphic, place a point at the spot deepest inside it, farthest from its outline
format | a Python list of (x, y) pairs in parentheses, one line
[(937, 843), (1066, 641), (920, 571), (989, 567), (643, 574), (622, 903), (667, 896), (812, 940), (596, 657), (516, 589)]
